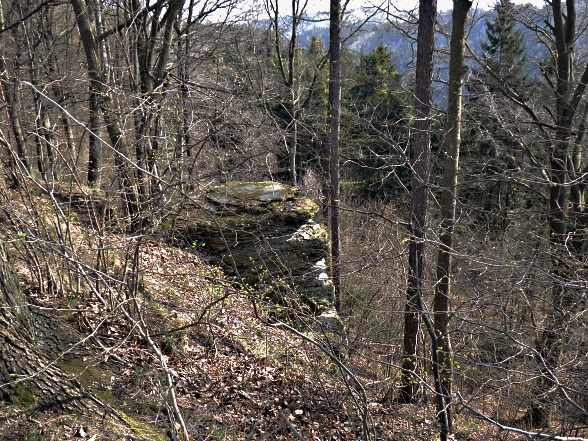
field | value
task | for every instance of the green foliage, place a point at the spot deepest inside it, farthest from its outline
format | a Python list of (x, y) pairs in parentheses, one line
[(304, 102), (374, 85), (491, 132), (504, 50), (174, 343), (375, 126), (315, 53)]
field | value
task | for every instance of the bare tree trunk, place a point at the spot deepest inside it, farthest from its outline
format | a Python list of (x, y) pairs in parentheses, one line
[(184, 139), (49, 139), (95, 143), (564, 298), (150, 65), (293, 166), (48, 18), (97, 83), (335, 123), (298, 99), (421, 146), (451, 144), (9, 90)]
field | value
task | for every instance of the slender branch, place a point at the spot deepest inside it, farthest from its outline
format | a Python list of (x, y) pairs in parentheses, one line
[(528, 434)]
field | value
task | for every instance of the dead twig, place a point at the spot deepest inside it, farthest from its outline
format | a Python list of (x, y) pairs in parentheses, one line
[(291, 426)]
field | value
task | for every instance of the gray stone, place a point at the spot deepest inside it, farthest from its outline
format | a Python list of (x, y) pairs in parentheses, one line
[(240, 193), (265, 235)]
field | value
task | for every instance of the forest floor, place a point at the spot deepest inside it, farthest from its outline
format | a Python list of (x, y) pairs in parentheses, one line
[(234, 377)]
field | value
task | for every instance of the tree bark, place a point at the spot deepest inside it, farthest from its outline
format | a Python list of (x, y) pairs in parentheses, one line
[(561, 208), (10, 95), (99, 86), (94, 124), (421, 146), (29, 342), (451, 144), (335, 124)]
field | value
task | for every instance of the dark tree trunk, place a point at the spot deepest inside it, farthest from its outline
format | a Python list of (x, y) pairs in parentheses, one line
[(94, 124), (48, 16), (10, 92), (562, 203), (421, 146), (335, 123), (94, 142), (9, 95)]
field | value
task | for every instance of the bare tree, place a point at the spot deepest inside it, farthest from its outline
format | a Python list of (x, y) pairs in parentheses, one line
[(421, 145), (290, 70), (98, 83), (554, 151), (334, 125), (451, 144), (566, 202), (11, 94)]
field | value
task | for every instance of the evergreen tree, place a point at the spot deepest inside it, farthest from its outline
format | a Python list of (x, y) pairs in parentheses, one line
[(375, 93), (375, 125), (313, 131), (492, 119), (504, 50)]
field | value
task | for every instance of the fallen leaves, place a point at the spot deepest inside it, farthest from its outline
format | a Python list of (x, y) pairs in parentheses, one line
[(232, 376)]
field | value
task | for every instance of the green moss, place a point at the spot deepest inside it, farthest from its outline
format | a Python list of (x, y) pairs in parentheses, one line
[(25, 394), (263, 192), (175, 343), (139, 429), (106, 396), (317, 306), (83, 371), (298, 210), (143, 430), (222, 432)]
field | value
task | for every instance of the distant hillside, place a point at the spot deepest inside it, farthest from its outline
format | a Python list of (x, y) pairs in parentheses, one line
[(395, 38)]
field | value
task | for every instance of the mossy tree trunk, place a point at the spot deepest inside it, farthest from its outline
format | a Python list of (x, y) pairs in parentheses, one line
[(29, 346), (448, 199)]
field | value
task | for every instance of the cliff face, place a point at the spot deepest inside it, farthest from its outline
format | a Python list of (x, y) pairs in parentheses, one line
[(264, 234)]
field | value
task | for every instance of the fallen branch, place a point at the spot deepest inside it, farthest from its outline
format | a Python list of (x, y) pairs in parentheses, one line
[(528, 434)]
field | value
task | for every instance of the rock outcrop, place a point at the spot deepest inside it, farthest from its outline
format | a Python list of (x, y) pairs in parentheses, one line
[(264, 235)]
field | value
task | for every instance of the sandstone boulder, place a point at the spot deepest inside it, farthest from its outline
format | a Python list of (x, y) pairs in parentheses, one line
[(265, 235)]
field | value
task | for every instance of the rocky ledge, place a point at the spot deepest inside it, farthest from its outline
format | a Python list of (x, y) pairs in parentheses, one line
[(265, 236)]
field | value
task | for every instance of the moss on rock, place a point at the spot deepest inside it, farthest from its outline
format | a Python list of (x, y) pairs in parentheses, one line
[(265, 231), (243, 194)]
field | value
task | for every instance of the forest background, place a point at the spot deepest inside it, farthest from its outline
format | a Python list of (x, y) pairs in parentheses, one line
[(452, 189)]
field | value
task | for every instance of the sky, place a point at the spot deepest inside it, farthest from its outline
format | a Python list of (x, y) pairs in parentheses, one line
[(445, 5), (322, 6), (442, 5)]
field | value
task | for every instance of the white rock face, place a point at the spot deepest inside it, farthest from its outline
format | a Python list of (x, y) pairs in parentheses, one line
[(236, 193)]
